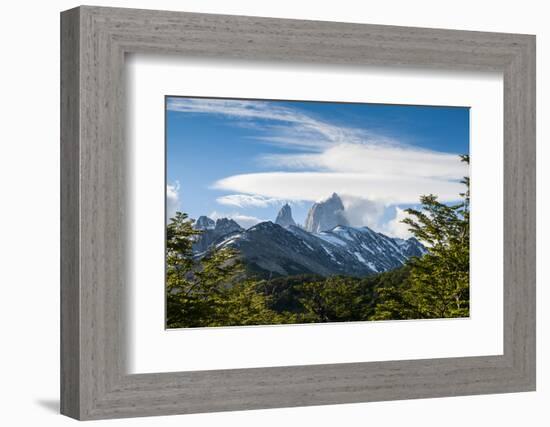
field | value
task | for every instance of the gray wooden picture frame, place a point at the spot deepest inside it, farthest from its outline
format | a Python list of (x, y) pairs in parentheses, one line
[(94, 381)]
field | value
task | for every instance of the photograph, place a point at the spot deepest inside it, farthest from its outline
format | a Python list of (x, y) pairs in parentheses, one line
[(300, 212)]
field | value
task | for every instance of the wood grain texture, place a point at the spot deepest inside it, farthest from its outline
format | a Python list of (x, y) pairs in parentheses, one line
[(94, 381), (70, 292)]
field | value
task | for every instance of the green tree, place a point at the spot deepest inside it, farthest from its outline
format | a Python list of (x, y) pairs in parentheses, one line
[(389, 300), (180, 302), (245, 305), (438, 282), (335, 299)]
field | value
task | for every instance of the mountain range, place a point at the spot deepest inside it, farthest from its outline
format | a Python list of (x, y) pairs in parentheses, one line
[(327, 245)]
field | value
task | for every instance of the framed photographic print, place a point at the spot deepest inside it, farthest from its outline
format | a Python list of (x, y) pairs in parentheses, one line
[(321, 220), (261, 213)]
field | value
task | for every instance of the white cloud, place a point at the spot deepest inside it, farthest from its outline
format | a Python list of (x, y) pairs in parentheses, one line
[(292, 128), (312, 186), (172, 199), (360, 212), (383, 173), (248, 200), (389, 160), (231, 108), (245, 221), (338, 159), (395, 227)]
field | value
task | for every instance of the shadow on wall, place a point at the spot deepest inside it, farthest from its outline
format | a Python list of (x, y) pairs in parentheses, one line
[(52, 405)]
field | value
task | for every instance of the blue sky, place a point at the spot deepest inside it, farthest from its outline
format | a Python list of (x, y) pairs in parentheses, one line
[(245, 158)]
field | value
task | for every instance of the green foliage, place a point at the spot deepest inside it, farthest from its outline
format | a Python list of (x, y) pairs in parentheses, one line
[(180, 303), (315, 299), (336, 299), (244, 305), (438, 283), (389, 302), (285, 292)]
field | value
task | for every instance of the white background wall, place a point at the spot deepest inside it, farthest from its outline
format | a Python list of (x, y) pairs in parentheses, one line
[(29, 213)]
